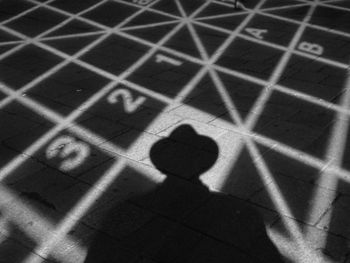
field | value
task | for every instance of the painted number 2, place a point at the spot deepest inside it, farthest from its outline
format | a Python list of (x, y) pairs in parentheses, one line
[(71, 151), (130, 104)]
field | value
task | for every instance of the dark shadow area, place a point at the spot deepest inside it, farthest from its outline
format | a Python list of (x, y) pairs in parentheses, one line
[(181, 220)]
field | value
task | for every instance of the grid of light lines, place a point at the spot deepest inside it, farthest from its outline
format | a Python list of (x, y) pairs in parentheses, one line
[(175, 20)]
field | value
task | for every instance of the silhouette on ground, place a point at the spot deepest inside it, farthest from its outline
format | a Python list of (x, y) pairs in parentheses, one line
[(181, 220)]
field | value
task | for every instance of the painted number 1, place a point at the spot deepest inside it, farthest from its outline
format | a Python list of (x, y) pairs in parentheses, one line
[(161, 58)]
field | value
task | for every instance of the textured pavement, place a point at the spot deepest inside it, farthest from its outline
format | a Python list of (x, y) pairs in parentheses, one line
[(111, 109)]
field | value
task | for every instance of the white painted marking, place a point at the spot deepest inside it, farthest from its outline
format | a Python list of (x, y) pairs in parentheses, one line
[(312, 48), (247, 133), (73, 152), (160, 58), (130, 104), (256, 32)]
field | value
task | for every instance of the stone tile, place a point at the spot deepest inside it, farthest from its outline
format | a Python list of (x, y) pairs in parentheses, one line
[(315, 238), (298, 198), (335, 220)]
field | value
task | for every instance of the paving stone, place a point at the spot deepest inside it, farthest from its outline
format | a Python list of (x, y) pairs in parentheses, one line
[(335, 220), (298, 196), (315, 237)]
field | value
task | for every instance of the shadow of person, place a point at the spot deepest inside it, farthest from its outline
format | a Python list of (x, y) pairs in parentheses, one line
[(181, 220)]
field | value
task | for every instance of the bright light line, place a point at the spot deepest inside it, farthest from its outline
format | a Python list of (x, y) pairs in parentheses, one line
[(12, 165), (277, 46), (82, 207), (148, 7), (189, 58), (36, 6), (281, 205), (236, 13), (203, 71), (9, 43), (22, 215), (314, 26), (284, 7), (279, 200), (266, 177), (149, 25), (334, 157), (338, 32), (277, 73), (68, 58), (60, 37)]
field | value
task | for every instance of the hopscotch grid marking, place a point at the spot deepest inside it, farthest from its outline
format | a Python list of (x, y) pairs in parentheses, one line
[(277, 76), (61, 37), (276, 8), (310, 25), (277, 73), (277, 46), (264, 96), (8, 43), (278, 200), (193, 33), (334, 157), (28, 40), (86, 201), (291, 152), (149, 25), (326, 4), (314, 26), (245, 12), (149, 7), (298, 155), (280, 203), (237, 13), (83, 106), (68, 19), (36, 6), (42, 227), (306, 2), (287, 88), (66, 58)]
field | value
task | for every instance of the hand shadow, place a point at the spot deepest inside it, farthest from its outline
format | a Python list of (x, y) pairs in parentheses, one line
[(181, 220)]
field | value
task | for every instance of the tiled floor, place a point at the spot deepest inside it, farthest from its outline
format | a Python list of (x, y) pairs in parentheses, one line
[(255, 101)]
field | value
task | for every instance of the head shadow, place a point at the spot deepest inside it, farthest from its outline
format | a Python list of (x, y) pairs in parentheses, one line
[(185, 154)]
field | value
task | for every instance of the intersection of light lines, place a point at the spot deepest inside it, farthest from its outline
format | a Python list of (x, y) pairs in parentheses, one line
[(244, 129)]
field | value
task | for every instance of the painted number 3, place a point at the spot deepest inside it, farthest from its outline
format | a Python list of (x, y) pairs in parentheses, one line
[(130, 104), (71, 151)]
